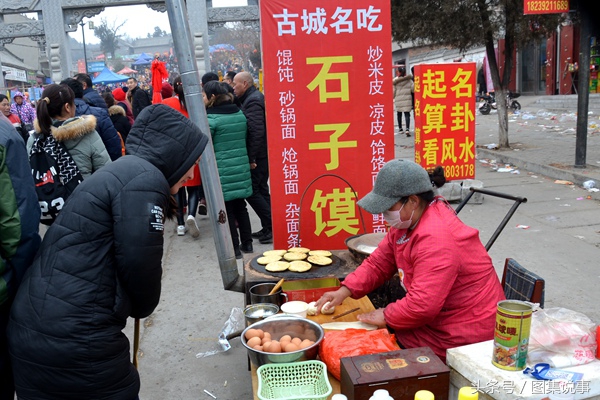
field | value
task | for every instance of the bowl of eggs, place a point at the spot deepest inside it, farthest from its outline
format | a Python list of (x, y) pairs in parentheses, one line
[(282, 339)]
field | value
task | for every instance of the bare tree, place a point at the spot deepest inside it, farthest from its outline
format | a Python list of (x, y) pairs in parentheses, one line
[(243, 38), (108, 36), (466, 24)]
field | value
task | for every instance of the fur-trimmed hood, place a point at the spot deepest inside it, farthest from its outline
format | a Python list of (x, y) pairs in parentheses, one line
[(116, 110), (71, 128)]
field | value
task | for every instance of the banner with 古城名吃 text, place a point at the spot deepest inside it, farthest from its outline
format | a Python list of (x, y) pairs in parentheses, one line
[(330, 116), (445, 118)]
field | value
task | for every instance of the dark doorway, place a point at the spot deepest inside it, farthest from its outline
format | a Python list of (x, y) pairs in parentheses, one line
[(532, 69)]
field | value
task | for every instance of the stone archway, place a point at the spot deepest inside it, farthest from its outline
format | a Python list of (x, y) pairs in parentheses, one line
[(56, 18)]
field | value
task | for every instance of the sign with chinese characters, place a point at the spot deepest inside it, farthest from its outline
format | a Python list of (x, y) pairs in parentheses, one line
[(545, 6), (445, 118), (330, 117), (14, 74)]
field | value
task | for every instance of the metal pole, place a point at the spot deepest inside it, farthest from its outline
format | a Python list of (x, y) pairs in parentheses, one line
[(190, 78), (84, 52), (583, 89)]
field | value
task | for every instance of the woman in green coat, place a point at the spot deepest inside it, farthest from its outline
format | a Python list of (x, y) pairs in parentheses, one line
[(228, 128)]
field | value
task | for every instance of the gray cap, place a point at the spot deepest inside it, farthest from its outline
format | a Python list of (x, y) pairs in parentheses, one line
[(397, 179)]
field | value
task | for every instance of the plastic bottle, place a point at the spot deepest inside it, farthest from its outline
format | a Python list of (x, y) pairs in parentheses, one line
[(339, 397), (381, 394), (468, 393), (424, 395)]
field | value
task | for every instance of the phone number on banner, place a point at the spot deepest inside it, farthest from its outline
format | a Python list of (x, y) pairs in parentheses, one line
[(456, 171), (548, 6)]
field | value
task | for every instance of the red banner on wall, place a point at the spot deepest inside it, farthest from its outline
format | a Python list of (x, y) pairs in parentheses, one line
[(445, 118), (330, 124), (545, 6)]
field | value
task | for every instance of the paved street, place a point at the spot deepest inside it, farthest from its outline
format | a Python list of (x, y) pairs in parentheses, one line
[(561, 243)]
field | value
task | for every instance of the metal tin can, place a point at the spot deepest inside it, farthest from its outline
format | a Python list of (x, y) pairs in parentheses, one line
[(511, 336)]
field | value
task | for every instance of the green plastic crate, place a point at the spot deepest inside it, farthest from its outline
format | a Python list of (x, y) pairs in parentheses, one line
[(293, 381)]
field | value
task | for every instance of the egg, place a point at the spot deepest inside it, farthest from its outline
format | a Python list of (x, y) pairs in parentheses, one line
[(266, 336), (297, 341), (275, 347), (250, 333), (306, 343), (290, 347), (258, 347), (253, 341), (285, 338), (267, 346)]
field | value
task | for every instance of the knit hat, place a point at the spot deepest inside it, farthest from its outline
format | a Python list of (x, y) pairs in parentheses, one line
[(166, 91), (118, 94), (397, 179)]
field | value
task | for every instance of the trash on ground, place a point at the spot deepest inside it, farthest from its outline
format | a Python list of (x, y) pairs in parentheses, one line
[(235, 323), (505, 169), (565, 205), (594, 190), (522, 226), (562, 182), (589, 184)]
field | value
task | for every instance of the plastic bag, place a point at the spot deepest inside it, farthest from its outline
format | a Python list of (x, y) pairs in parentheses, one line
[(561, 338), (353, 342)]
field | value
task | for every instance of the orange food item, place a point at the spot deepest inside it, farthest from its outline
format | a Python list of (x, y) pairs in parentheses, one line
[(275, 347), (253, 341), (291, 347), (250, 333)]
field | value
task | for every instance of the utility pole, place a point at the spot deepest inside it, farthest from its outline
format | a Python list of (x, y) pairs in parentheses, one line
[(190, 78), (82, 24)]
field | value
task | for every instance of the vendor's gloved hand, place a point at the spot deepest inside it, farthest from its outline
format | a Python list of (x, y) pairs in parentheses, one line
[(334, 298), (374, 318)]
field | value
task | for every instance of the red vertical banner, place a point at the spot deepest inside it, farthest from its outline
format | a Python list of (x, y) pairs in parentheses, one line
[(330, 124), (445, 118)]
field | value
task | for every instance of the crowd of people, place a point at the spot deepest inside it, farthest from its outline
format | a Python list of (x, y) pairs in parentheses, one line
[(131, 163), (134, 161)]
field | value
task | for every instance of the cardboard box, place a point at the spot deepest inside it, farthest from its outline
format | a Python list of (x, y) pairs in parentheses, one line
[(309, 289), (402, 373)]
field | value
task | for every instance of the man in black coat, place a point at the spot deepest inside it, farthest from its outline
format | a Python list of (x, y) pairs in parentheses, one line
[(104, 125), (99, 264), (139, 98), (91, 96), (253, 106)]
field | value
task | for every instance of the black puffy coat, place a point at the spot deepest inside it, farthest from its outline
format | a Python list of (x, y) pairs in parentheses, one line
[(99, 264), (119, 119)]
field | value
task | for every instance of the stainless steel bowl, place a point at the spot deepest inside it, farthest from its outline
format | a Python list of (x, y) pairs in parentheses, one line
[(280, 325), (259, 311)]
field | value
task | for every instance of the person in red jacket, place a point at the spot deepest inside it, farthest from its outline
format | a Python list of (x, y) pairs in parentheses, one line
[(452, 289)]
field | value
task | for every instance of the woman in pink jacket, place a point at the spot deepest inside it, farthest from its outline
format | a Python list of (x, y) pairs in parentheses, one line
[(452, 289)]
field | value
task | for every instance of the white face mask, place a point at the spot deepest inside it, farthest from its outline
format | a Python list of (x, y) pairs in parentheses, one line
[(393, 218)]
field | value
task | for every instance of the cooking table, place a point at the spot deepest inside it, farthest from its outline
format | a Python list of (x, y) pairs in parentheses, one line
[(348, 304)]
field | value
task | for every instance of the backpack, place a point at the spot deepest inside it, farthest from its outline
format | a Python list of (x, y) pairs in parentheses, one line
[(55, 175)]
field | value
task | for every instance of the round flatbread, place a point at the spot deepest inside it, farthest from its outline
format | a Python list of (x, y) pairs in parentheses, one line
[(324, 253), (298, 250), (299, 266), (320, 260), (277, 266), (292, 256), (267, 259), (279, 253)]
